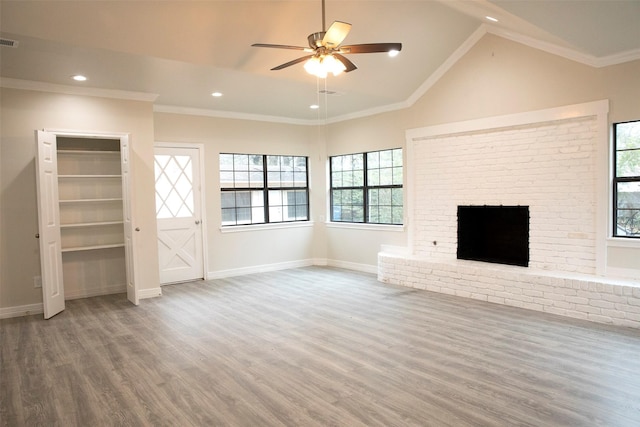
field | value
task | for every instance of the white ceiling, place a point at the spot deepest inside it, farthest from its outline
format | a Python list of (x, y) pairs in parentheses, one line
[(182, 51)]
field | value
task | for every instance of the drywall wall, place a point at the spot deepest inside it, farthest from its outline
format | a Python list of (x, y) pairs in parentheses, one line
[(499, 77), (24, 111), (234, 250)]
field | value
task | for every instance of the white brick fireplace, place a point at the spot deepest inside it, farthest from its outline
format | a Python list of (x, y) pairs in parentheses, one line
[(553, 161)]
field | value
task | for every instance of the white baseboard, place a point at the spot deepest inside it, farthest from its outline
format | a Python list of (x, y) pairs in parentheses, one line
[(21, 310), (373, 269), (150, 293), (365, 268), (221, 274)]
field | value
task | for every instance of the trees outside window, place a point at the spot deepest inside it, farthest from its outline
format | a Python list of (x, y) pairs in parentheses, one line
[(367, 187), (626, 180), (259, 189)]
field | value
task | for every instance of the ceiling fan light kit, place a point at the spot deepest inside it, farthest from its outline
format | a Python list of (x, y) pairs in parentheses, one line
[(327, 54)]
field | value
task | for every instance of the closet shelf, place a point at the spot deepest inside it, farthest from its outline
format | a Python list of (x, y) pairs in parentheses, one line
[(91, 224), (92, 248), (106, 200), (88, 176), (63, 152)]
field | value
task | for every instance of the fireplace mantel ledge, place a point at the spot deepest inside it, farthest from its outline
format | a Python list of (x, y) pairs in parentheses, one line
[(486, 266)]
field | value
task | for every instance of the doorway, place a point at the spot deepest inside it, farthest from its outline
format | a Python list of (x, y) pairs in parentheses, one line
[(179, 212)]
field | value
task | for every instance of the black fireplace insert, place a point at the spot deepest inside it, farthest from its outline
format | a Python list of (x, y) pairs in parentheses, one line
[(497, 234)]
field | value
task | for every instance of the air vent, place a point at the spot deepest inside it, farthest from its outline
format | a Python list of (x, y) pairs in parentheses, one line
[(8, 42), (329, 92)]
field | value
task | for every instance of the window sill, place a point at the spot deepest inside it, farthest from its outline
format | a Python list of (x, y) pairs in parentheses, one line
[(364, 226), (261, 227), (623, 242)]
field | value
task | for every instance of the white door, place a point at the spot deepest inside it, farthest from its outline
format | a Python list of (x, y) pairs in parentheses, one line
[(178, 211), (129, 233), (49, 225)]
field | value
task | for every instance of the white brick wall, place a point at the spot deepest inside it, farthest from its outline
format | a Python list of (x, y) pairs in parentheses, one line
[(578, 296), (549, 167), (549, 160)]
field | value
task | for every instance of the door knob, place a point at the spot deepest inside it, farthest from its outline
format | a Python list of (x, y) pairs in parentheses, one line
[(137, 228), (197, 221)]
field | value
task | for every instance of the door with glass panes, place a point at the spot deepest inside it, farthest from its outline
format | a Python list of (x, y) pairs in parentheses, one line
[(178, 213)]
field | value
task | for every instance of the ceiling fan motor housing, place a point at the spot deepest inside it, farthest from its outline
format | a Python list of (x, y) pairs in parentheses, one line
[(315, 39)]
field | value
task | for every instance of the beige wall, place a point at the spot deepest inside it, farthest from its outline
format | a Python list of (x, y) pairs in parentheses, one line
[(240, 250), (496, 77), (22, 112)]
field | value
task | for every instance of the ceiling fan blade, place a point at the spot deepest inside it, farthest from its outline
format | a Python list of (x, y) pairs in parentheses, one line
[(281, 46), (336, 33), (370, 48), (347, 63), (290, 63)]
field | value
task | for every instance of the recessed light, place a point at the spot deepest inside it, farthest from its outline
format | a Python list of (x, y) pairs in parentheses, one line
[(314, 106), (216, 94), (79, 78), (393, 53), (491, 18)]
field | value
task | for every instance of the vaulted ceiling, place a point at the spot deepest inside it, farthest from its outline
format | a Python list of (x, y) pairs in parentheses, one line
[(177, 53)]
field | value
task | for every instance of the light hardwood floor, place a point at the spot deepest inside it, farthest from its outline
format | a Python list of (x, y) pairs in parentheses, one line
[(313, 346)]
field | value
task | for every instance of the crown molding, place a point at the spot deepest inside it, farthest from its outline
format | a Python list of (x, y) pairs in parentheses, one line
[(174, 109), (571, 54), (10, 83)]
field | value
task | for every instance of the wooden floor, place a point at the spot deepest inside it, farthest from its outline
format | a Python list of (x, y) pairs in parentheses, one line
[(313, 346)]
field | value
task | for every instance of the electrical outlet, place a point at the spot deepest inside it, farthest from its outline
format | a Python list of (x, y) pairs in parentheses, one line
[(37, 281)]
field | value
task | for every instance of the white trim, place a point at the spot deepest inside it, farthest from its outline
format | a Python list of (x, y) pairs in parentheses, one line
[(149, 293), (365, 226), (10, 83), (595, 108), (263, 227), (623, 242), (365, 268), (21, 310), (87, 293), (221, 274), (571, 54), (174, 109), (203, 206), (462, 50)]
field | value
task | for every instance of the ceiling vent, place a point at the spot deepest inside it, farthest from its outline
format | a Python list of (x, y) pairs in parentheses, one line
[(8, 42), (329, 92)]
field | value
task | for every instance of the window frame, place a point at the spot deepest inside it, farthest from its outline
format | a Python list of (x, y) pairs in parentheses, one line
[(617, 180), (265, 188), (365, 189)]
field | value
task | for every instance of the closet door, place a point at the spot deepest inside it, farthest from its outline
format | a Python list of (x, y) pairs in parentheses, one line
[(129, 232), (49, 222), (91, 190)]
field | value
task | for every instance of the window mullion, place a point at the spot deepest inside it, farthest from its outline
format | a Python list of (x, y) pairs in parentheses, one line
[(365, 188), (265, 189)]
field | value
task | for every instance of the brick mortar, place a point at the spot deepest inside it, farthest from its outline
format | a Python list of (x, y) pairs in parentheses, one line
[(592, 298)]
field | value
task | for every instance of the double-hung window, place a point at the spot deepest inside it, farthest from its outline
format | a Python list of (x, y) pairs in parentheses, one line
[(259, 189), (367, 187), (626, 179)]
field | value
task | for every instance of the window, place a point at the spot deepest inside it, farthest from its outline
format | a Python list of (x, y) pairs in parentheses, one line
[(259, 189), (626, 180), (367, 187)]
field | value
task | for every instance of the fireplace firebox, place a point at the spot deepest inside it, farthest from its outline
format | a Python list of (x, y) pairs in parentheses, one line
[(497, 234)]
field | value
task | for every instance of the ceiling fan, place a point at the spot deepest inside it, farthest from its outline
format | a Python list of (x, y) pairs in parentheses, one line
[(326, 55)]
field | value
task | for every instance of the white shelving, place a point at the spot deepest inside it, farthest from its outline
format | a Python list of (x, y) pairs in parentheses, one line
[(83, 188)]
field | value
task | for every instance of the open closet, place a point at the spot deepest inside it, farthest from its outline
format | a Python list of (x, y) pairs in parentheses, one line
[(84, 212)]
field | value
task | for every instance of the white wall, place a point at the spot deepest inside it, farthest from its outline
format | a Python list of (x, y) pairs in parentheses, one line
[(22, 113), (499, 77), (236, 250)]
